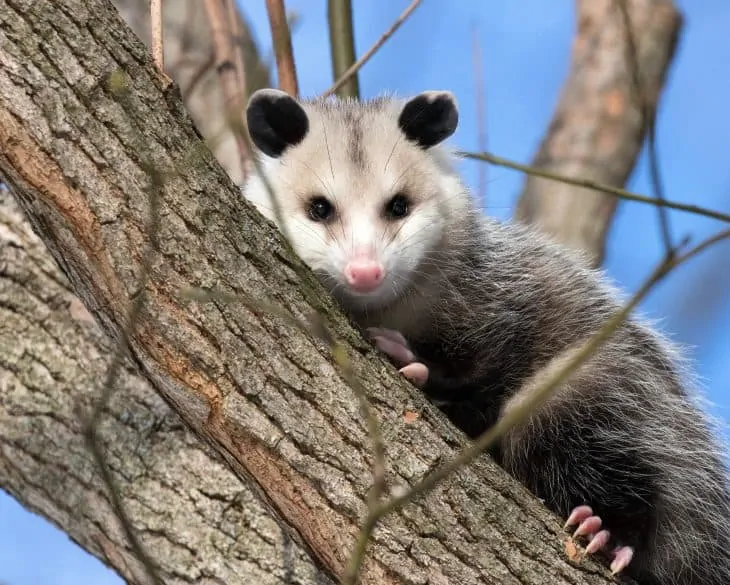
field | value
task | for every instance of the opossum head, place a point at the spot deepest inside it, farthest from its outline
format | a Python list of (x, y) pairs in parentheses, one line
[(365, 190)]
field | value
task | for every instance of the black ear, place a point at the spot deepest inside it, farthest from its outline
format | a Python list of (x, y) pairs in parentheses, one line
[(275, 121), (429, 118)]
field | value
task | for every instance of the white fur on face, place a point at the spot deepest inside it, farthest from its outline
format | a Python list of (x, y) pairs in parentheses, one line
[(359, 186)]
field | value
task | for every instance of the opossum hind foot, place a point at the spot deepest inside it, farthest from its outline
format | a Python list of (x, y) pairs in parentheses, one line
[(590, 526)]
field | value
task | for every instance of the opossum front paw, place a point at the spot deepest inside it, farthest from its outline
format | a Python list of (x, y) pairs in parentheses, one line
[(396, 347), (590, 525)]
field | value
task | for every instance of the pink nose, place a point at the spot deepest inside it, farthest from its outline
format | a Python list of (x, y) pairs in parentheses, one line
[(364, 275)]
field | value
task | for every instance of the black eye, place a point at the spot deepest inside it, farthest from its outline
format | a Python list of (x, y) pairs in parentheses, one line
[(397, 207), (320, 209)]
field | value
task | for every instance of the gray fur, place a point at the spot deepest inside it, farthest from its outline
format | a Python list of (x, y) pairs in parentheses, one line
[(489, 305)]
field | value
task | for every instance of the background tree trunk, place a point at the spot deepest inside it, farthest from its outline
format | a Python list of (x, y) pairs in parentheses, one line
[(222, 509), (598, 128)]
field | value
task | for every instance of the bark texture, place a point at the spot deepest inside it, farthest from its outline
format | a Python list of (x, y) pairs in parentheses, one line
[(598, 128), (83, 118), (201, 522)]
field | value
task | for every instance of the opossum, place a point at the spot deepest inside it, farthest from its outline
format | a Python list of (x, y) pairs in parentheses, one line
[(472, 309)]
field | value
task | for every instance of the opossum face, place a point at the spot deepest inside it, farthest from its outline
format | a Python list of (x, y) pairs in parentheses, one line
[(364, 192)]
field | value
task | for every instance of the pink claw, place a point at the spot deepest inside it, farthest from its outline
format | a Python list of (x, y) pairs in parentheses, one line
[(589, 526), (599, 541), (416, 372), (578, 515), (622, 558)]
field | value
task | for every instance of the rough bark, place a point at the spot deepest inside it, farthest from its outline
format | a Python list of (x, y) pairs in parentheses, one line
[(189, 61), (59, 361), (598, 128), (264, 395), (201, 521)]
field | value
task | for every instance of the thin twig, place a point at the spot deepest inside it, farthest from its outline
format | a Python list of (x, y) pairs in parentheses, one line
[(481, 112), (156, 26), (515, 416), (357, 65), (281, 35), (594, 185), (648, 117), (230, 78), (342, 46), (91, 429), (237, 42)]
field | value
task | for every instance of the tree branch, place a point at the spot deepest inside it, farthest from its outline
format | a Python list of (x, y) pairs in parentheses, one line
[(342, 45), (281, 35), (357, 65), (191, 512), (597, 130), (594, 186)]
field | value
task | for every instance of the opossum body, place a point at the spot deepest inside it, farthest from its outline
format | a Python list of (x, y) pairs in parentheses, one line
[(472, 309)]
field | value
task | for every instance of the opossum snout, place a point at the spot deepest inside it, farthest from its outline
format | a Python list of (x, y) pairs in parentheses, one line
[(364, 275)]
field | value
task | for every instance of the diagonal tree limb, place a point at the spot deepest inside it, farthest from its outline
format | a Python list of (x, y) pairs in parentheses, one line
[(192, 512)]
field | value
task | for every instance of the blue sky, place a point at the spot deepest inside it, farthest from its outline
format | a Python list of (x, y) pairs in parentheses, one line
[(526, 49)]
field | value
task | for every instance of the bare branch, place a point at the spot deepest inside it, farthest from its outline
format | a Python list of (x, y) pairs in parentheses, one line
[(372, 50), (342, 46), (281, 35), (237, 40), (593, 185), (481, 107), (158, 52), (648, 108), (232, 81)]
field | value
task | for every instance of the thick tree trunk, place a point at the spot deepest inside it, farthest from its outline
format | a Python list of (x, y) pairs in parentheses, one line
[(200, 521), (76, 149), (598, 128)]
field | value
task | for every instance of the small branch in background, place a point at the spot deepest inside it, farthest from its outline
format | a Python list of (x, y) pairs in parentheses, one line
[(648, 114), (357, 65), (281, 36), (481, 112), (156, 31), (593, 185), (232, 81), (342, 46), (237, 38), (553, 377)]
